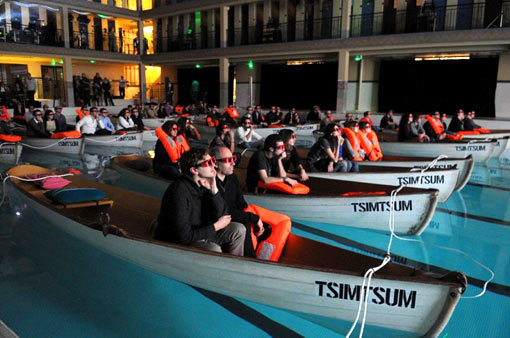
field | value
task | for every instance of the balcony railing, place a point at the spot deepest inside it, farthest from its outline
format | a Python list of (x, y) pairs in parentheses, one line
[(187, 42), (103, 42), (447, 18), (127, 4), (31, 34), (286, 32)]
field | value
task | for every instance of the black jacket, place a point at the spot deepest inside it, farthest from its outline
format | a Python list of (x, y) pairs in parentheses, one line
[(456, 125), (138, 121), (36, 129), (470, 125), (230, 190), (188, 213)]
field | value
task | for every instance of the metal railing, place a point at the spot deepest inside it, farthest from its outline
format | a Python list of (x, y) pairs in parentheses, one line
[(104, 42), (286, 32), (187, 42), (446, 18), (31, 34), (127, 4)]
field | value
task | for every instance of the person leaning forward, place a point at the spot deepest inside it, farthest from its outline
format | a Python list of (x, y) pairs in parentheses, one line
[(194, 213)]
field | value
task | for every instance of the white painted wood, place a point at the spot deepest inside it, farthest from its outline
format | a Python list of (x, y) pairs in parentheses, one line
[(130, 139), (67, 146), (443, 180), (10, 152)]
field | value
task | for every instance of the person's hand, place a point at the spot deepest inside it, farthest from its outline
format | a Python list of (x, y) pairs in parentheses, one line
[(292, 182), (303, 176), (222, 222), (340, 139), (362, 152), (330, 167), (209, 183), (259, 228), (283, 155)]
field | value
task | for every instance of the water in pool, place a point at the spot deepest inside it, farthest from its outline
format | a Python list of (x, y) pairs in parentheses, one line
[(53, 285)]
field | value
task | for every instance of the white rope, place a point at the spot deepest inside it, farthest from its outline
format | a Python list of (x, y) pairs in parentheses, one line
[(109, 141), (45, 147), (367, 278), (26, 180)]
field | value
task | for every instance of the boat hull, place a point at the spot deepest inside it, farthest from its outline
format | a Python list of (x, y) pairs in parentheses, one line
[(73, 146), (10, 152), (464, 166), (480, 150), (413, 307), (130, 140), (442, 180)]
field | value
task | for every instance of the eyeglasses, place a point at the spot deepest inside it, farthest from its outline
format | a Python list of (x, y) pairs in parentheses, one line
[(228, 160), (336, 129), (207, 163), (293, 136), (38, 114), (247, 123), (281, 147), (175, 129), (51, 114)]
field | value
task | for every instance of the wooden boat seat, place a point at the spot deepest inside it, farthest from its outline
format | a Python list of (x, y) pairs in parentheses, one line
[(103, 202)]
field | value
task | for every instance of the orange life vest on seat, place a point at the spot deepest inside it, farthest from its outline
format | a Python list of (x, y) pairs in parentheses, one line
[(354, 140), (211, 121), (179, 109), (10, 138), (298, 189), (67, 134), (174, 148), (271, 249), (4, 115), (468, 132), (81, 114), (454, 137), (370, 143), (483, 130), (232, 112), (436, 125)]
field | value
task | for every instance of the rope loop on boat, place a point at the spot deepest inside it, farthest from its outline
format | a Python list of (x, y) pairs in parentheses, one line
[(45, 147), (109, 141)]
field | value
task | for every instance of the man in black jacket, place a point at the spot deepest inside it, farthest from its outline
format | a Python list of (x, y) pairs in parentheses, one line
[(230, 189), (457, 122), (35, 126), (194, 213)]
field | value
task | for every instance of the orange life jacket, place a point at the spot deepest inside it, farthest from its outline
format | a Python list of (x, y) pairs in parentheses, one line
[(354, 140), (454, 137), (68, 134), (468, 132), (81, 114), (367, 119), (271, 249), (275, 126), (5, 114), (10, 138), (298, 189), (212, 122), (370, 143), (436, 125), (483, 130), (179, 109), (232, 112), (174, 148)]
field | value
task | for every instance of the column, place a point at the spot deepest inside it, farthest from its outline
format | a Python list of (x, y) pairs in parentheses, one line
[(140, 39), (267, 11), (223, 26), (143, 83), (300, 18), (68, 78), (211, 24), (65, 27), (223, 83), (360, 84), (252, 22), (164, 34), (283, 18), (317, 16), (342, 82), (346, 18), (238, 23), (8, 16)]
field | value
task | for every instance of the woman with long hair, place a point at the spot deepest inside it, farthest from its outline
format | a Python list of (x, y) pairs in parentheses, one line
[(292, 162)]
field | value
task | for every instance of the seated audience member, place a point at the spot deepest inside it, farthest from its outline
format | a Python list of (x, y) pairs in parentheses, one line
[(89, 123), (50, 124), (326, 154), (434, 128), (369, 142), (327, 119), (211, 119), (187, 129), (367, 117), (230, 189), (4, 128), (29, 113), (35, 126), (349, 117), (292, 118), (417, 128), (104, 124), (168, 151), (224, 137), (469, 122), (387, 121), (314, 116), (193, 212), (137, 119), (248, 137), (291, 162), (352, 146), (60, 120), (457, 122), (444, 121), (257, 117), (151, 112), (266, 164), (405, 130), (125, 122), (272, 116)]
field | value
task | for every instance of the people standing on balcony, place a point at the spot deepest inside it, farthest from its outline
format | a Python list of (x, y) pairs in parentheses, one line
[(136, 45), (85, 89), (105, 39), (31, 88), (121, 41), (122, 87), (106, 91), (145, 45), (97, 90), (111, 40)]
